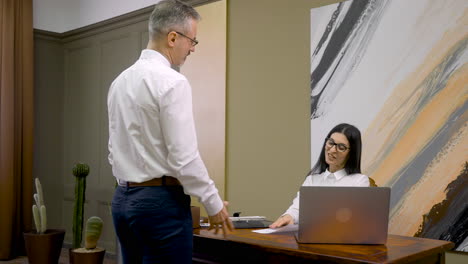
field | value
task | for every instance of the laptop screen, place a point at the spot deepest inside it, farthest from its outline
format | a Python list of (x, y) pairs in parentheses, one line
[(343, 215)]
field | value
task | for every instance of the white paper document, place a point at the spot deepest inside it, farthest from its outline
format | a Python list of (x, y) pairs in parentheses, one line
[(287, 228)]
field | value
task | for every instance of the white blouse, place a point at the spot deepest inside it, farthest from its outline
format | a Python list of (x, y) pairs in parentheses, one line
[(326, 178)]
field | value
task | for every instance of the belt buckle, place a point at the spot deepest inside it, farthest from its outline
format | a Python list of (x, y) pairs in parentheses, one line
[(122, 183)]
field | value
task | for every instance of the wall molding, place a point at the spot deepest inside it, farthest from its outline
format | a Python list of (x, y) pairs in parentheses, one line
[(133, 17)]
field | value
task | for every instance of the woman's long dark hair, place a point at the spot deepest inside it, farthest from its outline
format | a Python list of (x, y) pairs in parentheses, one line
[(353, 164)]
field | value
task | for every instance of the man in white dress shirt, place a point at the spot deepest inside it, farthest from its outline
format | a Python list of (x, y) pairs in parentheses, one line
[(153, 146), (339, 164)]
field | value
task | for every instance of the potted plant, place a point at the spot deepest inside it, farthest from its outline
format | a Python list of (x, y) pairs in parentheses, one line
[(76, 253), (90, 254), (42, 245)]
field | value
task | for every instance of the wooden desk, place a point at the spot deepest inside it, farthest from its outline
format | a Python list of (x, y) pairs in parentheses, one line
[(244, 246)]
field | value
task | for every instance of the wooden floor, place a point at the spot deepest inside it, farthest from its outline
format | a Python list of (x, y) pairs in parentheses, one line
[(109, 259)]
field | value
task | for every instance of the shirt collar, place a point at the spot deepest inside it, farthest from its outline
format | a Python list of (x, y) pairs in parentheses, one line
[(338, 174), (149, 54)]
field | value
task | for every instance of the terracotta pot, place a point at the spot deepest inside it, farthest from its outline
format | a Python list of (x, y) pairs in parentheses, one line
[(44, 248), (84, 256)]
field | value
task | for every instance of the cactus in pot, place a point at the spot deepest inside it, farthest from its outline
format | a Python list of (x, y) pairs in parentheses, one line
[(93, 232), (39, 209), (90, 254), (80, 171), (43, 245)]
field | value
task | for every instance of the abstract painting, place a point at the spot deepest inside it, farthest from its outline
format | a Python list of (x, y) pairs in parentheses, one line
[(398, 71)]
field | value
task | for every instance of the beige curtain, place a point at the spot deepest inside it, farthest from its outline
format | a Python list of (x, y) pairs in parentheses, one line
[(16, 124)]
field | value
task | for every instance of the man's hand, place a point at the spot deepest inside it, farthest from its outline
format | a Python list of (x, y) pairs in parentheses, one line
[(282, 221), (221, 219)]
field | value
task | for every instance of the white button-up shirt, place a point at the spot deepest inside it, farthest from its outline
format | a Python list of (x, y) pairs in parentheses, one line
[(326, 178), (151, 129)]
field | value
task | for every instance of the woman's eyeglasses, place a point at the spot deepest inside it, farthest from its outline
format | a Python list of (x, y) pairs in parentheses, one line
[(330, 143)]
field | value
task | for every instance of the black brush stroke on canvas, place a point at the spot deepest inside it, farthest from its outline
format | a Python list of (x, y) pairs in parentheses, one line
[(448, 220), (336, 43)]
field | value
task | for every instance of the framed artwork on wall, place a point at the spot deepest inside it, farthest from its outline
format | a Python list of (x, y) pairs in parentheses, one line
[(398, 71)]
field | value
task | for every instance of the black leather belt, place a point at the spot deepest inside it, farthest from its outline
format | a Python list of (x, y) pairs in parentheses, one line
[(163, 181)]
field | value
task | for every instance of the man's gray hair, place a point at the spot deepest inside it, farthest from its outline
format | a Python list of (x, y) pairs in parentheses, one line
[(170, 15)]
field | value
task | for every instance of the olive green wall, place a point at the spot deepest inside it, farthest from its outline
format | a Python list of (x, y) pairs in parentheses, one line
[(268, 106), (456, 257)]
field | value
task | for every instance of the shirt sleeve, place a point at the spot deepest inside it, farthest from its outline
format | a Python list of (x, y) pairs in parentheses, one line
[(363, 181), (178, 129), (293, 210)]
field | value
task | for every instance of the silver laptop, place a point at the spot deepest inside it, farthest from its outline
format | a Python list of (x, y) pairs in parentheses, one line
[(343, 215)]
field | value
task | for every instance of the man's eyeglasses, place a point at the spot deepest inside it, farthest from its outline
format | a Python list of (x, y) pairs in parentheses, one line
[(330, 143), (194, 41)]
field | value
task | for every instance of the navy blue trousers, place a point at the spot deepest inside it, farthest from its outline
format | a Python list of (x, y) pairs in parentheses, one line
[(153, 224)]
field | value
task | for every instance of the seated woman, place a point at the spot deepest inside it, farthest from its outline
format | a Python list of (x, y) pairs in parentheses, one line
[(339, 164)]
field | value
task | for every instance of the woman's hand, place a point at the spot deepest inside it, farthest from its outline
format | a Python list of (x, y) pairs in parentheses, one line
[(282, 221)]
